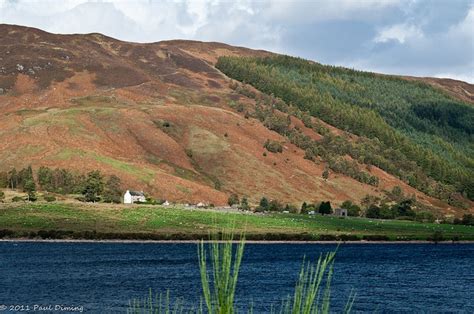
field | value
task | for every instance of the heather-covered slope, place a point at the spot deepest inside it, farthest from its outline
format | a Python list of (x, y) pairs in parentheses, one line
[(162, 118)]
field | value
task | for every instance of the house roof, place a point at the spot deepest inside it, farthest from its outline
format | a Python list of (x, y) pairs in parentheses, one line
[(136, 193)]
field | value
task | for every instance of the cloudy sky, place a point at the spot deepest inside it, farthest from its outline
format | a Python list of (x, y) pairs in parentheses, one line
[(413, 37)]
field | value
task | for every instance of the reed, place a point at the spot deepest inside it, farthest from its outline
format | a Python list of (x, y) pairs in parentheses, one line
[(219, 265), (313, 289), (158, 304), (224, 267)]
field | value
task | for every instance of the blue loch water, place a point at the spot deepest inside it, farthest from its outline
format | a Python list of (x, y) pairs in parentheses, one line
[(103, 277)]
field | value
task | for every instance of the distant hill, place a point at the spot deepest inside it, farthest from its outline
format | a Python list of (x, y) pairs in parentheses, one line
[(165, 119)]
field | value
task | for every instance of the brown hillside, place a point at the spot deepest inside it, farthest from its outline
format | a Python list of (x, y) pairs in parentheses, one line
[(158, 116), (459, 89)]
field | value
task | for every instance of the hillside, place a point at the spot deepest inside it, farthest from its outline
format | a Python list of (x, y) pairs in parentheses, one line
[(165, 120)]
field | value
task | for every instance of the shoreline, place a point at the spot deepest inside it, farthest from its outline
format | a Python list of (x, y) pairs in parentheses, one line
[(119, 241)]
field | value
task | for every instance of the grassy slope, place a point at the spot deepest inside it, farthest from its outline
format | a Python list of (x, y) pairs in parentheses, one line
[(125, 222)]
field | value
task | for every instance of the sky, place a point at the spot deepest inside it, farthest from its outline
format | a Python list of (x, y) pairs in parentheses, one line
[(409, 37)]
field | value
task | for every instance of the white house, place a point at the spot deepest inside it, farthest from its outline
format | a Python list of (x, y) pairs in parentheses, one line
[(131, 197)]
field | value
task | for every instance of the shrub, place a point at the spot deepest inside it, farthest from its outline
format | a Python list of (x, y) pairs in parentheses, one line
[(373, 212), (403, 208), (327, 237), (49, 198), (17, 199), (424, 216), (277, 123), (352, 209), (80, 198), (375, 237), (291, 208), (275, 206), (273, 146), (468, 219), (409, 218), (189, 153), (309, 154), (239, 107), (233, 199), (386, 212), (437, 236), (349, 237), (325, 173), (150, 201), (244, 204), (4, 233)]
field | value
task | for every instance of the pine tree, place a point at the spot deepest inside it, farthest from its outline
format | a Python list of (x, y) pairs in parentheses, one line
[(112, 190), (3, 180), (264, 204), (325, 208), (13, 178), (304, 206), (30, 188), (93, 186)]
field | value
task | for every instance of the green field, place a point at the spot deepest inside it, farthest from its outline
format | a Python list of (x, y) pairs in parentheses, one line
[(101, 221)]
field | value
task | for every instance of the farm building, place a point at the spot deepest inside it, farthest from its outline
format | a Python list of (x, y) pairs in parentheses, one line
[(131, 197), (341, 212)]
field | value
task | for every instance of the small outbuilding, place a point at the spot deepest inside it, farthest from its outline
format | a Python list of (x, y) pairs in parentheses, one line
[(340, 212), (131, 197)]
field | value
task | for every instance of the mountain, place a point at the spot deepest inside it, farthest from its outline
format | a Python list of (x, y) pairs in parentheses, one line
[(166, 119)]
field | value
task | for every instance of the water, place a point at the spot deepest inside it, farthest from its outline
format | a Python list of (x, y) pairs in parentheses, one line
[(102, 277)]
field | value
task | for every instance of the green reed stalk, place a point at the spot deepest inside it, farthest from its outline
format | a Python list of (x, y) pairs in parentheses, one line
[(219, 267), (310, 297), (225, 264)]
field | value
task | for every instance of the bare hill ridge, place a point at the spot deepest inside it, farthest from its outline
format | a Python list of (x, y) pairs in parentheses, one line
[(157, 115)]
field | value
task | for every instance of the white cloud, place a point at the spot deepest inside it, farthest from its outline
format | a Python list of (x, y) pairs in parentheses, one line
[(312, 11), (465, 28), (399, 32)]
